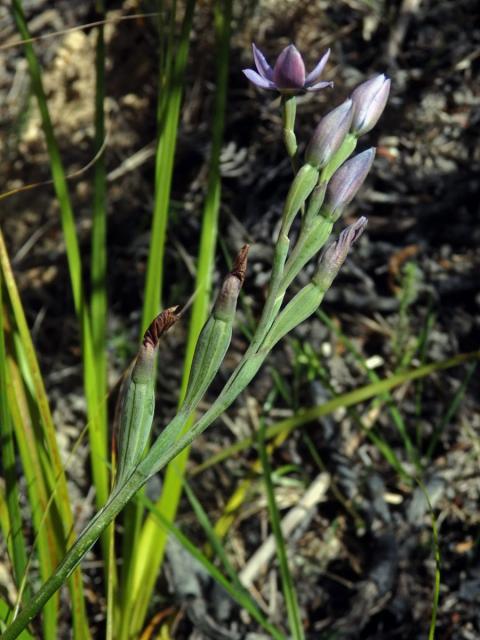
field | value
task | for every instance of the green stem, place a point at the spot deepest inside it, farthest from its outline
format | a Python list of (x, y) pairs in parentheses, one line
[(289, 111), (270, 309), (346, 149), (166, 447), (311, 239), (74, 555)]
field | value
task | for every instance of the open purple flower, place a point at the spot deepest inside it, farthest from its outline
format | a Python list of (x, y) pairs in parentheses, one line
[(288, 73)]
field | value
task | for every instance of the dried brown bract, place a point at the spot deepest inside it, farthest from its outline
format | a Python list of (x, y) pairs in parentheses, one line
[(160, 325)]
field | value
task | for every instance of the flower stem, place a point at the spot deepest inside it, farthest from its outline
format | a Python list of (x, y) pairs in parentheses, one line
[(74, 555), (289, 111)]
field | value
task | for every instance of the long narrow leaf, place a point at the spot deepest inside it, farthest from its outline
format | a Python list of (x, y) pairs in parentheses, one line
[(19, 551), (62, 500), (5, 614), (288, 587), (169, 106), (46, 538), (99, 223), (153, 540), (306, 416), (172, 66), (239, 596), (98, 442)]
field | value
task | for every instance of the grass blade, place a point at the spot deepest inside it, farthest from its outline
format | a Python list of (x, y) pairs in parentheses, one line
[(97, 431), (451, 411), (153, 540), (46, 535), (98, 303), (367, 392), (242, 598), (213, 539), (172, 67), (5, 614), (15, 533), (169, 112), (52, 465), (288, 587)]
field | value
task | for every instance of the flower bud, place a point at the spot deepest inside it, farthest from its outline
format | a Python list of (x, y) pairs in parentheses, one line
[(216, 334), (142, 371), (346, 182), (138, 401), (335, 254), (369, 100), (226, 302), (329, 135)]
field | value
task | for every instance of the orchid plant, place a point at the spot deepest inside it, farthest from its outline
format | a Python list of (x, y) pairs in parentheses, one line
[(322, 187)]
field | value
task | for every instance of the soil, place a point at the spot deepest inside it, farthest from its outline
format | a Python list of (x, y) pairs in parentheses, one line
[(362, 558)]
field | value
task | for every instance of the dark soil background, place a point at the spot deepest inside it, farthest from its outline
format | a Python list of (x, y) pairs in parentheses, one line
[(368, 575)]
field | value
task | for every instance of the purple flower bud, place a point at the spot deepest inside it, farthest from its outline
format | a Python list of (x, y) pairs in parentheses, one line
[(346, 182), (288, 74), (335, 254), (329, 135), (369, 100)]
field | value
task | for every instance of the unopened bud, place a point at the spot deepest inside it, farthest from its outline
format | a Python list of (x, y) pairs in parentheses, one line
[(329, 135), (216, 334), (226, 302), (369, 100), (143, 369), (335, 254), (138, 402), (346, 182)]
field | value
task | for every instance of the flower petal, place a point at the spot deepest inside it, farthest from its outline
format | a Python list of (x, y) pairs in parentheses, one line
[(319, 85), (257, 79), (289, 69), (315, 73), (263, 68)]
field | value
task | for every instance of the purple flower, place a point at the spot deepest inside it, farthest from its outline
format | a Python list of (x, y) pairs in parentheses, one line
[(288, 74), (369, 100)]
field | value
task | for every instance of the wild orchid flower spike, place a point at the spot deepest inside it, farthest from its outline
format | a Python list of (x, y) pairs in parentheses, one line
[(288, 75)]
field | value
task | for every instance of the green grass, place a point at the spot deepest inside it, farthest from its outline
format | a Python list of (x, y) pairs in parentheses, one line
[(288, 587), (95, 396), (308, 415), (13, 532), (152, 541), (172, 62), (236, 592), (33, 423)]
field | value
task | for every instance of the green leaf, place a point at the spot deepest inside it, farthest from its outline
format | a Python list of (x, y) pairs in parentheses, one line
[(288, 586)]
